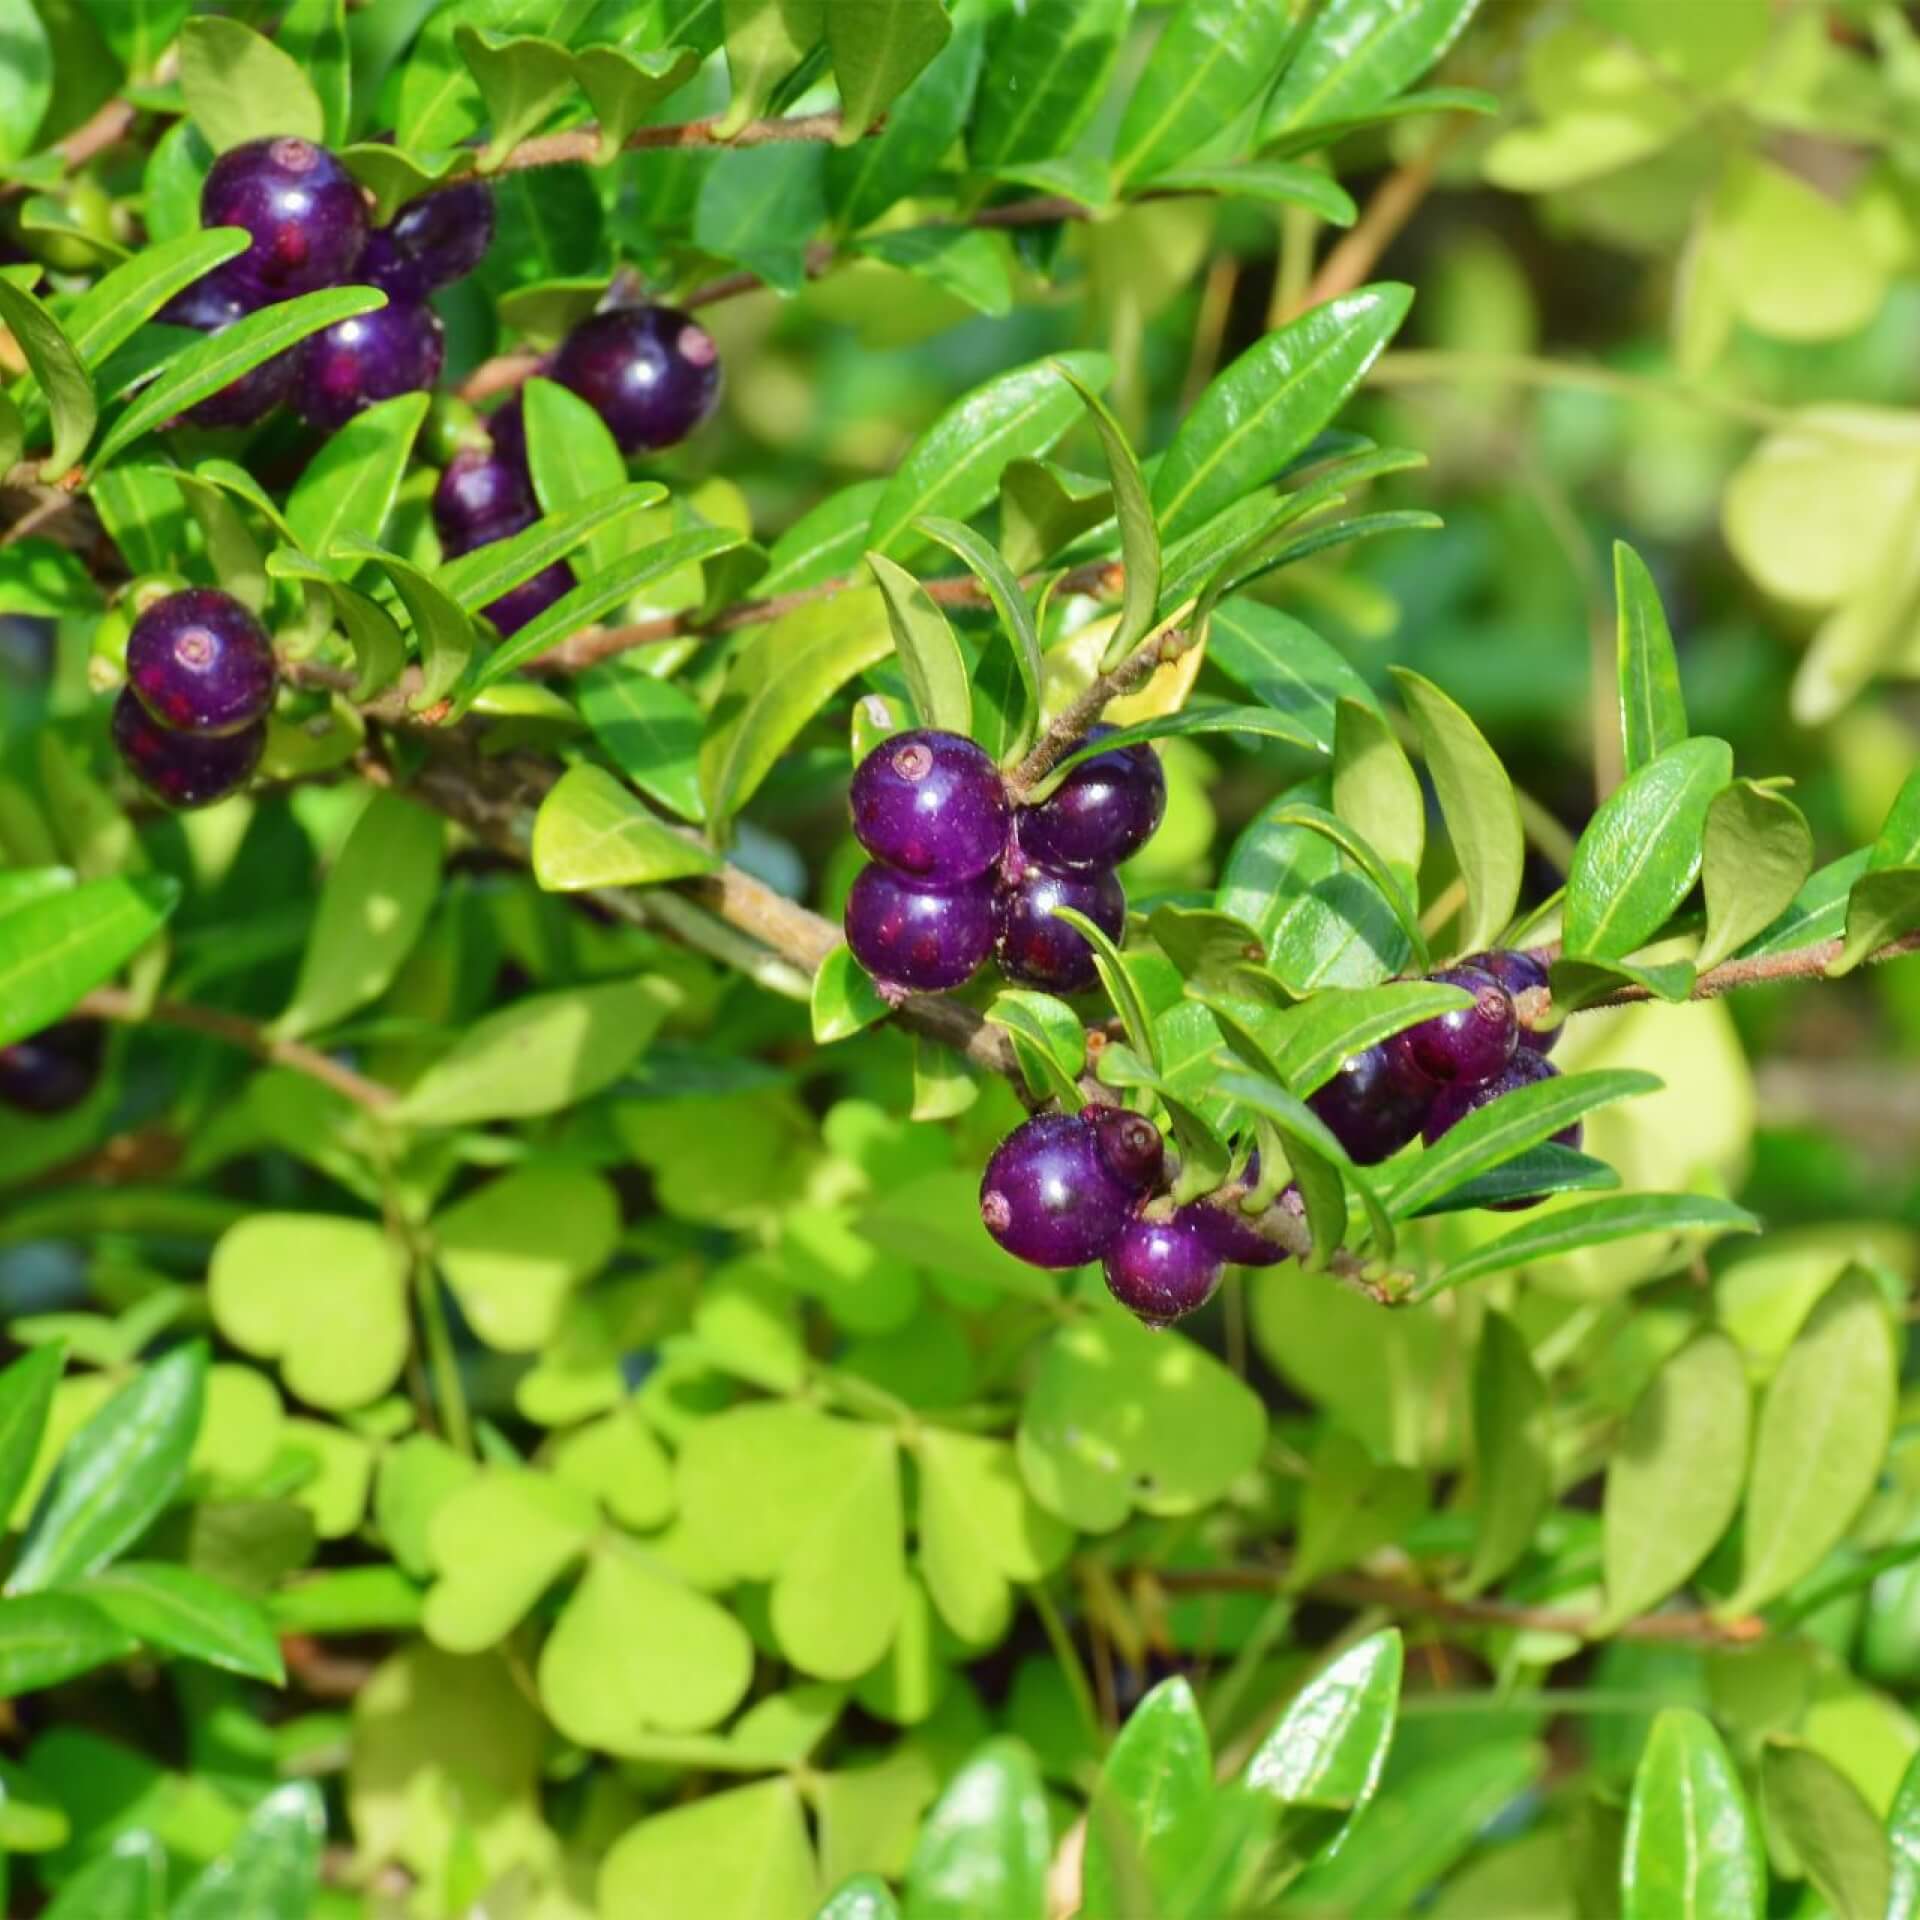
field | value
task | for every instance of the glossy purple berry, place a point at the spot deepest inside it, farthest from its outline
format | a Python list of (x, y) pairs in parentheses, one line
[(531, 598), (211, 305), (1519, 971), (1162, 1270), (304, 210), (481, 498), (1038, 950), (1526, 1069), (201, 663), (1466, 1046), (1103, 812), (507, 429), (1230, 1236), (52, 1071), (345, 368), (1049, 1197), (431, 242), (1130, 1146), (931, 804), (1369, 1108), (184, 770), (651, 373), (916, 934)]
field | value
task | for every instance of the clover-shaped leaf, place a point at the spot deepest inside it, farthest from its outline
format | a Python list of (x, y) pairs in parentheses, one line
[(497, 1544), (619, 1462), (979, 1529)]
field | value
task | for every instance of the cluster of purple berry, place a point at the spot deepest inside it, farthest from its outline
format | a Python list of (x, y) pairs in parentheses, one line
[(958, 872), (1066, 1188), (308, 219), (191, 721), (1428, 1078), (651, 373)]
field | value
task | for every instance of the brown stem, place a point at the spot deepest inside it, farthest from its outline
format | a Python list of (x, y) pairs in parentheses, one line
[(580, 145), (1075, 721), (236, 1030), (105, 127)]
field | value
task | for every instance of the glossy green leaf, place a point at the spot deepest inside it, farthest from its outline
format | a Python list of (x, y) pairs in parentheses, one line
[(1048, 1037), (46, 1638), (1377, 793), (929, 655), (1356, 55), (1593, 1224), (1653, 715), (864, 1897), (1835, 1836), (984, 1848), (972, 266), (522, 78), (1757, 852), (26, 78), (823, 543), (314, 34), (1367, 858), (223, 357), (116, 1474), (1311, 1040), (591, 832), (379, 647), (1884, 901), (1641, 853), (625, 84), (1004, 590), (766, 41), (1817, 912), (1512, 1450), (26, 1399), (1327, 1751), (571, 453), (129, 1883), (879, 47), (740, 1855), (484, 575), (650, 728), (1263, 723), (58, 370), (233, 553), (756, 207), (1279, 181), (271, 1870), (117, 305), (1264, 408), (955, 466), (1284, 665), (1149, 1801), (1352, 1505), (1121, 987), (1047, 68), (350, 486), (1043, 506), (1139, 533), (844, 998), (1477, 803), (1822, 1432), (1692, 1846), (176, 1610), (1903, 1848), (242, 87)]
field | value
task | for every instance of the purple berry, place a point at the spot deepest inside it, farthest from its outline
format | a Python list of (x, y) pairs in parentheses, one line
[(1518, 971), (931, 804), (211, 305), (201, 663), (1369, 1108), (507, 429), (1103, 812), (431, 242), (1048, 1196), (1130, 1146), (481, 498), (1231, 1237), (1039, 950), (1162, 1269), (531, 598), (372, 356), (918, 935), (184, 770), (651, 373), (303, 208), (1466, 1046), (1526, 1069), (52, 1071)]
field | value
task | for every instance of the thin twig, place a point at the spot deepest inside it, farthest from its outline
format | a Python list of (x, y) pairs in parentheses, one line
[(581, 145), (236, 1030), (1076, 720)]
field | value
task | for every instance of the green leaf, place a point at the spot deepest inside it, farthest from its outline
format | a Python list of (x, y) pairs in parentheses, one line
[(233, 553), (46, 1638), (26, 78), (351, 485), (1148, 1801), (1653, 716), (1834, 1835), (1284, 665), (130, 1883), (1903, 1846), (625, 84), (223, 357), (1500, 1129), (117, 305), (1043, 506), (1691, 1846), (776, 685), (443, 631), (1049, 1039), (314, 34), (1263, 723), (766, 41), (844, 998), (477, 578), (497, 1543), (1264, 408), (1047, 69), (26, 1398), (1311, 1040), (1275, 180), (742, 1855), (571, 453), (374, 905), (1512, 1451), (1817, 913), (879, 48), (1477, 803), (176, 1610), (1139, 535), (1356, 55), (271, 1870), (1352, 1506), (539, 1054), (591, 832), (757, 206), (864, 1897), (1822, 1433), (1211, 61), (116, 1474), (1122, 989), (649, 728), (1641, 853), (1885, 901), (971, 266), (522, 79), (1592, 1224), (1367, 858), (980, 1531), (58, 370), (823, 543), (1004, 590), (955, 466), (984, 1848), (929, 655), (242, 87), (1376, 791), (1757, 852), (379, 647)]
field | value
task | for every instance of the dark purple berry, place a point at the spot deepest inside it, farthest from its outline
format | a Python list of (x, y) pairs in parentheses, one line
[(531, 598), (651, 373), (481, 498), (1526, 1069), (1369, 1108), (303, 208), (1103, 812), (1039, 950), (1518, 971), (431, 242), (507, 429), (1231, 1237), (918, 935), (211, 305), (931, 804), (201, 663), (345, 368), (1130, 1146), (1466, 1046), (184, 770), (52, 1071), (1162, 1269), (1048, 1196)]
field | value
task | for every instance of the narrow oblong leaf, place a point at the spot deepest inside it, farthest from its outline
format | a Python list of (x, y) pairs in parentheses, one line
[(591, 832), (1377, 792), (57, 369), (1884, 902), (844, 998), (649, 728), (26, 1398), (1263, 723), (484, 575), (46, 1638), (352, 482), (443, 631), (1756, 854), (117, 305), (984, 1847), (929, 655), (1329, 1748), (1512, 1450), (1047, 68), (273, 1866), (1149, 1800), (1312, 1040), (1139, 532), (1003, 589), (1835, 1835), (1368, 859), (1692, 1846), (176, 1610), (1593, 1224), (57, 946), (1356, 55), (1653, 715), (879, 47)]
